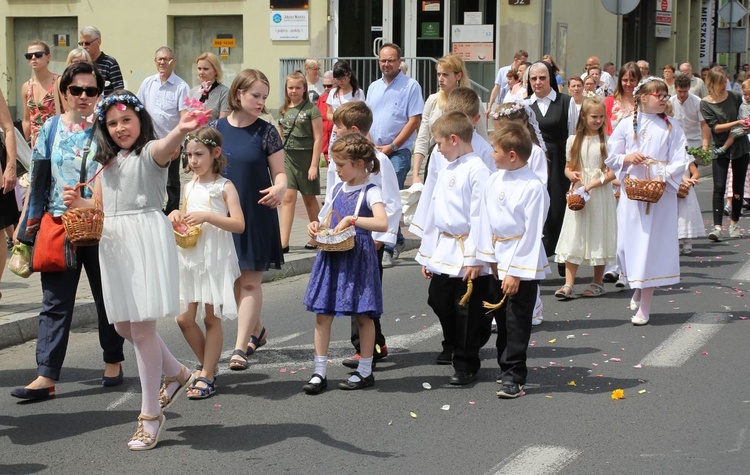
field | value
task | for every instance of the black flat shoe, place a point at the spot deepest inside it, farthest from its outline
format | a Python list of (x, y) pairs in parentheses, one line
[(315, 388), (34, 394), (561, 270), (361, 384), (310, 247), (112, 381), (285, 250), (461, 378)]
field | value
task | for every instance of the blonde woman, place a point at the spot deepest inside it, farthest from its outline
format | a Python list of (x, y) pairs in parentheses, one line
[(77, 55), (41, 99), (451, 72), (314, 81), (211, 91)]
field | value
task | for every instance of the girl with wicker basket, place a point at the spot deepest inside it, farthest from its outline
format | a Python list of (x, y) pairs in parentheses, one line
[(648, 155), (137, 250), (588, 236), (208, 263), (346, 282)]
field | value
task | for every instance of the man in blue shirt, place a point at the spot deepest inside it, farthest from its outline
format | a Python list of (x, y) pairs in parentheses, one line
[(396, 101), (164, 95)]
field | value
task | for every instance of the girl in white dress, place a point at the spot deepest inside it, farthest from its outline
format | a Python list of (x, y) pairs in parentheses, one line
[(689, 218), (209, 269), (588, 236), (647, 232), (137, 250)]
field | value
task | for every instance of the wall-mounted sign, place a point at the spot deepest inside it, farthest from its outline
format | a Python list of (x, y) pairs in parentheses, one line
[(663, 31), (664, 18), (472, 33), (224, 43), (472, 18), (62, 40), (474, 51), (224, 53), (430, 29), (519, 2), (290, 25), (431, 5), (290, 4)]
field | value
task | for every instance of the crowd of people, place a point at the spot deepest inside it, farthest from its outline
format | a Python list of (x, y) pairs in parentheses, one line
[(495, 206)]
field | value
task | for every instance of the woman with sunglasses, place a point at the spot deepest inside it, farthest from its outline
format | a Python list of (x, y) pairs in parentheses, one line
[(42, 99), (57, 160)]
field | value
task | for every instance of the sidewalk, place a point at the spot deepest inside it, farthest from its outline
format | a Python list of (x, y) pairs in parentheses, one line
[(21, 298)]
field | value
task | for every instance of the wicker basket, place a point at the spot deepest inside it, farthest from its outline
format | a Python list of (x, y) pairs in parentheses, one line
[(575, 202), (647, 190), (683, 190), (189, 239), (330, 241), (84, 225)]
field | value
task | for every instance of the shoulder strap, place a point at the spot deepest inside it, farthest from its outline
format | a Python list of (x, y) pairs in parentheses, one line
[(56, 95), (54, 121), (85, 154), (294, 124)]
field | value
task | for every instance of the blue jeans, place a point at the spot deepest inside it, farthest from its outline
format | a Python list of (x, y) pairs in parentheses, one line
[(401, 160)]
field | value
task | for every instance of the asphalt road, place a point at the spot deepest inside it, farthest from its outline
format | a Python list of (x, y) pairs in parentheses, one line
[(684, 376)]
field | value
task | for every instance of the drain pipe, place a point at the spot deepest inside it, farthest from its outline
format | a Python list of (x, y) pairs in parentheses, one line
[(547, 33)]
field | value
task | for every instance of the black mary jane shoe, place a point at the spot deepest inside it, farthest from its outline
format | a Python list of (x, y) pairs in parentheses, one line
[(361, 384), (462, 378), (112, 381), (34, 394), (285, 250), (315, 388)]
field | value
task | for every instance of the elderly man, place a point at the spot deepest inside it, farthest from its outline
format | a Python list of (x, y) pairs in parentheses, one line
[(501, 80), (164, 95), (91, 41), (396, 101), (643, 66), (604, 76), (697, 86)]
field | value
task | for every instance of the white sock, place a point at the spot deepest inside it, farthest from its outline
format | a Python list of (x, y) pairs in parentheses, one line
[(364, 368), (321, 364)]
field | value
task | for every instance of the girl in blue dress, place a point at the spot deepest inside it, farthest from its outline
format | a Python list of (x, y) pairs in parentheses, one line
[(347, 283)]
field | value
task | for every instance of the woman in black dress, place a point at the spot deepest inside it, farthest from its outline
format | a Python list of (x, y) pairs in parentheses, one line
[(557, 116)]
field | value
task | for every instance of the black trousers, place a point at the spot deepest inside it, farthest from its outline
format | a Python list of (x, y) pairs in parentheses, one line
[(720, 168), (173, 186), (379, 338), (514, 331), (465, 329), (58, 300)]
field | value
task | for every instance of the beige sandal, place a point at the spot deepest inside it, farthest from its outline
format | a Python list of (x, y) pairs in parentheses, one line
[(565, 292), (594, 290), (143, 440), (166, 400)]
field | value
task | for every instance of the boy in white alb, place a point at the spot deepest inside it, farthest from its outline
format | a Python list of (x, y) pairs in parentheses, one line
[(513, 209), (447, 252), (351, 117)]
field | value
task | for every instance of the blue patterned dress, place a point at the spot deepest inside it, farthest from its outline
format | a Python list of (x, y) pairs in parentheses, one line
[(347, 283)]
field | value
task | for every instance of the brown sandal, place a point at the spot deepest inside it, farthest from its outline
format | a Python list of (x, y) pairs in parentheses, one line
[(166, 400), (143, 440)]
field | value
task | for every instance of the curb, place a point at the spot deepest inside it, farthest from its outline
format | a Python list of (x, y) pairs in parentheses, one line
[(21, 327)]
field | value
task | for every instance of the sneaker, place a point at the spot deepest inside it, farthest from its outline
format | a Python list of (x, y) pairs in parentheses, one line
[(398, 249), (727, 210), (715, 235), (620, 284), (537, 321), (387, 261), (380, 353), (352, 362), (610, 277), (687, 248), (510, 390), (493, 327), (734, 231)]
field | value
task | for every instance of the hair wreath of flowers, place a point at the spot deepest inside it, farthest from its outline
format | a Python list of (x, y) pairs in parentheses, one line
[(120, 100), (646, 81), (206, 142), (516, 107)]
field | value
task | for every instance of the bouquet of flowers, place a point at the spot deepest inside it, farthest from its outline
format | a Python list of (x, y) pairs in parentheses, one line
[(702, 157)]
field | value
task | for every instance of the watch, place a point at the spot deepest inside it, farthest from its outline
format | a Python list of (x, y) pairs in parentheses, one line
[(393, 146)]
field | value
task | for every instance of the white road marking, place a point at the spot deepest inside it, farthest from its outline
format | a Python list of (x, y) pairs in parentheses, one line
[(284, 339), (686, 340), (121, 400), (535, 459), (743, 273)]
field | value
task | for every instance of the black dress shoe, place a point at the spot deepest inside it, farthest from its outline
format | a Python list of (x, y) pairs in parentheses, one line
[(34, 394), (362, 383), (315, 388), (112, 381), (461, 378), (445, 357)]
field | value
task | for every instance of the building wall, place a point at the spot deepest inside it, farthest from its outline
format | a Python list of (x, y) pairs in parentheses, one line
[(133, 30)]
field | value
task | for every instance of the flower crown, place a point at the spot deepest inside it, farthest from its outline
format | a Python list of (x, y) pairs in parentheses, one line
[(646, 81), (515, 107), (121, 100), (206, 142), (587, 94)]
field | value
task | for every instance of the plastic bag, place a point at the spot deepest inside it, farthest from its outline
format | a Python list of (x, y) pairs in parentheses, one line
[(409, 201), (20, 260)]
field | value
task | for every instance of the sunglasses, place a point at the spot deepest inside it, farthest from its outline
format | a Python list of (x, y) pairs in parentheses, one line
[(88, 43), (35, 54), (78, 90), (327, 86)]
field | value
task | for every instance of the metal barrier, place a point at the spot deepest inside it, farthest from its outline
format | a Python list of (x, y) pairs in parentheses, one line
[(367, 70)]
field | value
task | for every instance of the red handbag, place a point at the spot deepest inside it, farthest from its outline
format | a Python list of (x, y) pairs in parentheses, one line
[(53, 252)]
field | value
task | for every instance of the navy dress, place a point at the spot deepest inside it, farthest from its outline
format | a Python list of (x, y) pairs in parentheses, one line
[(247, 150), (347, 283)]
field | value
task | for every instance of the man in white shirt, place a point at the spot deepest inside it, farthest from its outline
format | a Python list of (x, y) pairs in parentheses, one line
[(697, 86), (164, 95), (687, 113), (501, 81)]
